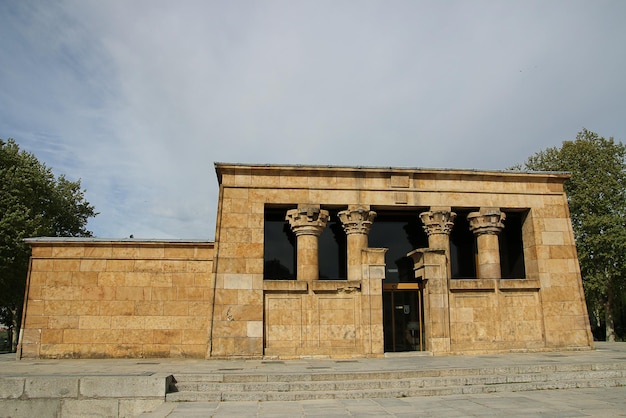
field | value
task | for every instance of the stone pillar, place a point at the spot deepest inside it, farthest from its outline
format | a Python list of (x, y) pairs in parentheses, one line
[(356, 222), (307, 223), (486, 225), (430, 266), (438, 224)]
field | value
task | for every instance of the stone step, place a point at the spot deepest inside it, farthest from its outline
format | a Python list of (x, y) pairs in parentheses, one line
[(203, 386), (302, 386), (390, 393), (393, 374)]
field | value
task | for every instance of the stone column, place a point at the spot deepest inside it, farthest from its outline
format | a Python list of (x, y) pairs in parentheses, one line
[(307, 223), (356, 222), (438, 223), (486, 225)]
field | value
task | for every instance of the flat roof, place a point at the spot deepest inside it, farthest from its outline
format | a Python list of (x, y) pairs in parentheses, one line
[(221, 166), (50, 240)]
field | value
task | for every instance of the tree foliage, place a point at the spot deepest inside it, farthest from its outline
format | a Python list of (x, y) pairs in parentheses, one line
[(597, 199), (33, 202)]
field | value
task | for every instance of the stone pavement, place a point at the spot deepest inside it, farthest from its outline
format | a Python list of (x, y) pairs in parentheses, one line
[(605, 402)]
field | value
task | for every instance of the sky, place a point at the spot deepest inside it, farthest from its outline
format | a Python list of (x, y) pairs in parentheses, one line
[(139, 98)]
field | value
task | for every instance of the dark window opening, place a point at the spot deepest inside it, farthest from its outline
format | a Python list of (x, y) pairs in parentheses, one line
[(512, 247), (333, 249), (462, 247), (400, 232), (279, 246)]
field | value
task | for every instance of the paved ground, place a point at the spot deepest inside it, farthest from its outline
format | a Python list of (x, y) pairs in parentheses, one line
[(609, 402)]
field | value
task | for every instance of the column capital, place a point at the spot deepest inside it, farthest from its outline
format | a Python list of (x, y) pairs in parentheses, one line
[(357, 220), (438, 221), (486, 221), (307, 220)]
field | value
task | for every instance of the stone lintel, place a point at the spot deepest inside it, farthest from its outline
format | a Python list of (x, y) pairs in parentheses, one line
[(346, 286), (473, 285), (285, 286)]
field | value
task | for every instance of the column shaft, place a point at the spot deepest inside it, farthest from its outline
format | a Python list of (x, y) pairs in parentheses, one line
[(307, 222), (356, 222), (486, 224)]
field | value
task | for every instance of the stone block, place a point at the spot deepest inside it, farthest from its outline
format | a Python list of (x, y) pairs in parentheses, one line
[(51, 387), (183, 279), (40, 408), (152, 308), (163, 293), (116, 308), (66, 251), (93, 265), (177, 308), (552, 238), (196, 336), (11, 387), (111, 278), (137, 407), (129, 293), (167, 336), (90, 408), (237, 281), (51, 336), (94, 322), (128, 322), (138, 336), (255, 329), (148, 265), (98, 251), (189, 293)]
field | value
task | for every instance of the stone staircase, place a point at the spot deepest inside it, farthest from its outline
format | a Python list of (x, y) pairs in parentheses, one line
[(319, 384)]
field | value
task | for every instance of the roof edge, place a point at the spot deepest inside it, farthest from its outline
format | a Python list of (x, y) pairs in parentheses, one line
[(219, 166), (56, 240)]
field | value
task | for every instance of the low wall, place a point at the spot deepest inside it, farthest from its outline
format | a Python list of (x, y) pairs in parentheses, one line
[(60, 396), (90, 298)]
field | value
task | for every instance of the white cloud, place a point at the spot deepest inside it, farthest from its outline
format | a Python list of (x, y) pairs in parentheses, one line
[(140, 98)]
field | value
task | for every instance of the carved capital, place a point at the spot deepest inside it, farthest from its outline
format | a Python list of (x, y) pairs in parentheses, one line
[(486, 221), (307, 220), (357, 221), (438, 221)]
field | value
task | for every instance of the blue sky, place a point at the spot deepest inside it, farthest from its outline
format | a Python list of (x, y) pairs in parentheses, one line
[(139, 98)]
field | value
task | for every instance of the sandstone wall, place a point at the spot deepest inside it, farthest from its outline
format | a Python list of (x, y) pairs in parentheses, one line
[(93, 298), (544, 310)]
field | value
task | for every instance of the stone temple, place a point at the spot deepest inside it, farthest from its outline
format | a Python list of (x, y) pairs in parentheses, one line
[(325, 261)]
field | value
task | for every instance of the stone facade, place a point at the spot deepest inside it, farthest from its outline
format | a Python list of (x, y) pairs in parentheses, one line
[(493, 268), (101, 298)]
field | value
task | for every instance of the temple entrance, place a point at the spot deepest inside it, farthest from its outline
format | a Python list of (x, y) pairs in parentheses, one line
[(403, 317)]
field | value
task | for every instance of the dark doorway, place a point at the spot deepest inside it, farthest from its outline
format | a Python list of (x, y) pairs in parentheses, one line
[(403, 318)]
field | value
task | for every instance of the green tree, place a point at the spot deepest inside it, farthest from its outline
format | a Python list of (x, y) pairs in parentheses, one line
[(596, 195), (33, 202)]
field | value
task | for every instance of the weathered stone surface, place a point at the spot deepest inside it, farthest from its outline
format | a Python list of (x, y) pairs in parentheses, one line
[(122, 386), (40, 408), (131, 298), (51, 387)]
